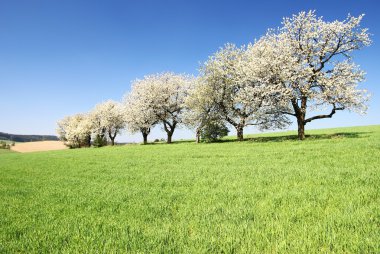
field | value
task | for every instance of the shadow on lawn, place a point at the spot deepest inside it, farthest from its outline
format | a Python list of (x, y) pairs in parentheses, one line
[(337, 135), (164, 142)]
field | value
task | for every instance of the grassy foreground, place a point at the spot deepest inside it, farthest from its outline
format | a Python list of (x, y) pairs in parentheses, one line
[(269, 194)]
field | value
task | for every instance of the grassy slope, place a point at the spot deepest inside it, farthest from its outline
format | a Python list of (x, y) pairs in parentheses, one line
[(320, 195)]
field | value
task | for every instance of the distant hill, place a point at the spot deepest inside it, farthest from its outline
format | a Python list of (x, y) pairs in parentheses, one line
[(26, 138)]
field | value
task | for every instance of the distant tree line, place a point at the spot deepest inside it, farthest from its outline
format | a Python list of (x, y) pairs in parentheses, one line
[(26, 138), (302, 67)]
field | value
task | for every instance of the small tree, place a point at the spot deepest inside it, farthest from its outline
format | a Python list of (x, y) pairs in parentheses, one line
[(98, 128), (199, 108), (3, 145), (75, 130), (107, 118), (213, 131), (99, 141)]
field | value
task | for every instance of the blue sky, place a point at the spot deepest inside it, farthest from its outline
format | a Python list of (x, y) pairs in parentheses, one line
[(62, 57)]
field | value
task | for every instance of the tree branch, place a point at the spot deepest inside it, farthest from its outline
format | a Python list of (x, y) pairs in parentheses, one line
[(333, 111), (287, 113)]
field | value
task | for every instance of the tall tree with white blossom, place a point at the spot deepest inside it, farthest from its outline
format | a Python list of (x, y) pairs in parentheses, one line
[(163, 95), (309, 64), (229, 76), (139, 112)]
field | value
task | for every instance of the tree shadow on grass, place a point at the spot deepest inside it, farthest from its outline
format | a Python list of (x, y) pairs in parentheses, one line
[(164, 142), (265, 139), (338, 135)]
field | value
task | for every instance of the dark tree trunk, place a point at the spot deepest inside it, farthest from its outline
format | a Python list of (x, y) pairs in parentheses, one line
[(170, 134), (112, 137), (88, 140), (145, 137), (239, 126), (102, 136), (198, 135), (145, 132), (239, 133), (301, 126), (169, 128), (300, 113), (103, 133)]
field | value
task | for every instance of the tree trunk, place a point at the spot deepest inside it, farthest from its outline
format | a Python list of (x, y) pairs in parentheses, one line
[(301, 126), (112, 137), (78, 141), (170, 134), (239, 132), (169, 128), (145, 137), (88, 140), (198, 135), (300, 113)]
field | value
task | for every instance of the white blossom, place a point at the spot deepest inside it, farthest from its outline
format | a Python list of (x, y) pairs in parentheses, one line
[(75, 130)]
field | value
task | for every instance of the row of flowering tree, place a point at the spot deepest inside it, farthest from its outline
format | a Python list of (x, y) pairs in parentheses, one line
[(102, 123), (303, 67)]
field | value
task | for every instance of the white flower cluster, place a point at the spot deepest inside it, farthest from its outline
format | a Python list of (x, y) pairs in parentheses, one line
[(75, 130)]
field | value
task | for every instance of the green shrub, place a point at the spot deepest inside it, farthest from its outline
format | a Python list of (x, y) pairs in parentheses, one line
[(99, 141), (214, 131), (4, 145)]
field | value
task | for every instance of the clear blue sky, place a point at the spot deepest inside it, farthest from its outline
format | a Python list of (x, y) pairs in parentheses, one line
[(62, 57)]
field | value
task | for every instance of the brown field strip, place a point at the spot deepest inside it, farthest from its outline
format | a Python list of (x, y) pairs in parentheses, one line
[(38, 146)]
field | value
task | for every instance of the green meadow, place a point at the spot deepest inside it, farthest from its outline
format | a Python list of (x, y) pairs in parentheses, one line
[(268, 194)]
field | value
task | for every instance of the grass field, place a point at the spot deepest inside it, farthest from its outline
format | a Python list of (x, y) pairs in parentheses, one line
[(268, 194)]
